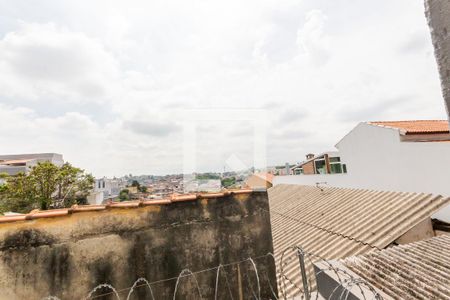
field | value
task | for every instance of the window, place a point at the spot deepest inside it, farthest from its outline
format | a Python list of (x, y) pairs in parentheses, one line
[(298, 171), (320, 166), (336, 168), (335, 159)]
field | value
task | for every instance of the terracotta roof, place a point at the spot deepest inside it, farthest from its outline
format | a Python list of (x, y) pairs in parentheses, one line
[(337, 222), (37, 214), (418, 270), (416, 126), (15, 161), (266, 176)]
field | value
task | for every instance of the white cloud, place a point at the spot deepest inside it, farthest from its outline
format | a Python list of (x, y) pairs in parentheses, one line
[(44, 59), (312, 39), (100, 82)]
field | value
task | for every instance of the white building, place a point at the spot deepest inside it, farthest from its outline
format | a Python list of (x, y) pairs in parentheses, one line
[(106, 188), (16, 163), (202, 185), (410, 156)]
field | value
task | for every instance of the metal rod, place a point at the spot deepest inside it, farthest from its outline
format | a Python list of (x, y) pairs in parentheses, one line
[(301, 258)]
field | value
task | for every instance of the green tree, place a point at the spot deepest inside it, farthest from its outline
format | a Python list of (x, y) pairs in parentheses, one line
[(17, 194), (143, 189), (73, 186), (124, 195), (44, 178), (227, 182), (45, 186), (136, 184)]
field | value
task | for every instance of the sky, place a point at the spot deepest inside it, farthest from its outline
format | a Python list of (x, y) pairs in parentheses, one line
[(131, 87)]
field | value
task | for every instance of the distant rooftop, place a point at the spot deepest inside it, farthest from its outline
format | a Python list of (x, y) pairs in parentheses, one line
[(416, 126)]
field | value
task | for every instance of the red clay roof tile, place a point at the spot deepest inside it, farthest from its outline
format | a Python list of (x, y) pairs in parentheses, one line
[(211, 195), (7, 219), (179, 198), (156, 202), (79, 208), (48, 213), (417, 126), (37, 214), (124, 204)]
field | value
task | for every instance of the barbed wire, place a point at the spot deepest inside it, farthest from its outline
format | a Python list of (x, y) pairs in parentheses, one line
[(344, 278), (348, 282), (182, 275)]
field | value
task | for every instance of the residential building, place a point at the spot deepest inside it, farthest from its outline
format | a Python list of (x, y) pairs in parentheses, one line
[(202, 185), (409, 156), (325, 163), (279, 170), (108, 188), (335, 223), (15, 163)]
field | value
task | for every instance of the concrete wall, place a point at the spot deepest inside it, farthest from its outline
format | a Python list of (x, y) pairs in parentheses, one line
[(68, 256), (438, 15), (382, 162)]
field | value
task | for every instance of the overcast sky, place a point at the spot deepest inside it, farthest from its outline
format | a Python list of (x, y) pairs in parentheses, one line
[(110, 84)]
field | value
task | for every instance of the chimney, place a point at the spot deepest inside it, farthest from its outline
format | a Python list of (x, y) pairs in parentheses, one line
[(309, 156)]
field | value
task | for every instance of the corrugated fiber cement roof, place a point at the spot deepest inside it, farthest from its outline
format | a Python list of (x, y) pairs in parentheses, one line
[(334, 223), (418, 270)]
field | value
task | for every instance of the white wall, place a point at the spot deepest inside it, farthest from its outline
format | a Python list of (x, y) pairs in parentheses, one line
[(377, 160), (95, 198)]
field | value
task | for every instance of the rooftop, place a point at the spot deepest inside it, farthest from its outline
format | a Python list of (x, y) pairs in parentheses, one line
[(14, 161), (416, 126), (337, 222), (418, 270)]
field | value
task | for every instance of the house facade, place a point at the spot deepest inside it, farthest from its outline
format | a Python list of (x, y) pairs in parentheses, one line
[(325, 163), (407, 156)]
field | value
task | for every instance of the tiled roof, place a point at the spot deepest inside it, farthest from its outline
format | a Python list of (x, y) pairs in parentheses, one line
[(266, 176), (37, 214), (418, 270), (336, 222), (416, 126)]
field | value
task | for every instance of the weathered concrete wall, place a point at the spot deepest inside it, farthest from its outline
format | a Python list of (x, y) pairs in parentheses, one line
[(68, 256), (438, 15)]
